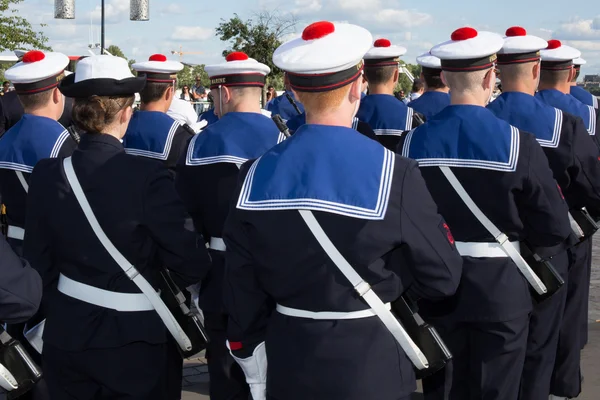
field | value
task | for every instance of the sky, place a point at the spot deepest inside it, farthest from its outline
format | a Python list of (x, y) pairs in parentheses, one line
[(416, 25)]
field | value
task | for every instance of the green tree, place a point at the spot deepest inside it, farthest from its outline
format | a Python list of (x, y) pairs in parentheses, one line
[(404, 82), (16, 32), (115, 51), (187, 76)]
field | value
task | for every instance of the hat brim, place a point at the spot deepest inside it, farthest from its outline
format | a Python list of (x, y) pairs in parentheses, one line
[(101, 86)]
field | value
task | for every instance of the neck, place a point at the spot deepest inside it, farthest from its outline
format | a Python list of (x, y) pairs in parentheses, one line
[(381, 89), (330, 119), (573, 83), (440, 90), (520, 86), (564, 87), (245, 107), (43, 112), (158, 106), (465, 99)]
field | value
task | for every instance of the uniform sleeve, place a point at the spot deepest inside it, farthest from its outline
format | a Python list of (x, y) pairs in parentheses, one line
[(436, 266), (37, 244), (542, 207), (20, 287), (246, 303), (180, 249), (180, 143), (584, 188)]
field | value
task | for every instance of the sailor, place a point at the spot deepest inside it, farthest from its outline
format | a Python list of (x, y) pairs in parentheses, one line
[(152, 133), (206, 180), (37, 135), (286, 105), (574, 160), (209, 116), (388, 117), (288, 301), (436, 96), (555, 85), (358, 125), (183, 112), (578, 92), (97, 244), (492, 183)]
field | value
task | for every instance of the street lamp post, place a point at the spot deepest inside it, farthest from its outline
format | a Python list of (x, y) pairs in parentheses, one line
[(139, 11)]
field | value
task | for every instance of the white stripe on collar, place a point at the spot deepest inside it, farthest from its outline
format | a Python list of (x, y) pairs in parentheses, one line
[(409, 118), (53, 154), (595, 102), (509, 166), (166, 149), (592, 129), (553, 143), (377, 213)]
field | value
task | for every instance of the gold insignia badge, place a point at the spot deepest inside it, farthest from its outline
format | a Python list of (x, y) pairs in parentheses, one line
[(60, 77), (217, 81)]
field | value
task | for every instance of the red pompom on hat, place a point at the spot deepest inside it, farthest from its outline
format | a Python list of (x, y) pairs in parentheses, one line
[(553, 44), (318, 30), (463, 34), (236, 56), (158, 57), (33, 56), (516, 31), (382, 43)]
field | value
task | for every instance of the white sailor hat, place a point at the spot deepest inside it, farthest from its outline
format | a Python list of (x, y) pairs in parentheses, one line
[(426, 60), (237, 70), (158, 69), (558, 57), (327, 56), (383, 53), (102, 75), (468, 50), (519, 47), (578, 62), (37, 72)]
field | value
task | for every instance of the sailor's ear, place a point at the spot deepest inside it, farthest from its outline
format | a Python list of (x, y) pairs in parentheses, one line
[(443, 77), (57, 96)]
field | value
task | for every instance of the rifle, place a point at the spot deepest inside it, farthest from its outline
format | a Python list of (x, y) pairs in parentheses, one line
[(293, 103), (281, 125)]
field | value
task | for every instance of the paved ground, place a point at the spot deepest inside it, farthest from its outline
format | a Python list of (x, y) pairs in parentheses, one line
[(195, 380)]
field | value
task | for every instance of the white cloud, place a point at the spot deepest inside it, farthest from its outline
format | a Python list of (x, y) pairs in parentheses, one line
[(114, 11), (190, 33), (400, 18), (307, 6), (172, 9), (584, 45), (408, 36), (357, 5), (578, 29)]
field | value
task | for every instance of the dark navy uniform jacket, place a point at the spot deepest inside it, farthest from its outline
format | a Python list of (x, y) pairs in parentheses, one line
[(569, 104), (584, 96), (506, 173), (376, 209), (572, 155), (430, 103), (157, 136), (32, 139), (207, 177), (362, 127), (282, 106), (20, 287), (209, 116), (135, 202), (388, 117)]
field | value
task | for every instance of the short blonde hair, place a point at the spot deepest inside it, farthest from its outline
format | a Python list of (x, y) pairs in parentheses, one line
[(320, 102), (465, 81)]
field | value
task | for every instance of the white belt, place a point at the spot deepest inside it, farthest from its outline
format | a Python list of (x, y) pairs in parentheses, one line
[(217, 244), (103, 298), (14, 232), (294, 312), (485, 249)]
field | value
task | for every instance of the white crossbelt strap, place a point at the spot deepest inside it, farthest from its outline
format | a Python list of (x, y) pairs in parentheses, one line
[(364, 290), (22, 181), (217, 244), (500, 237), (14, 232), (329, 315), (485, 249), (163, 312), (103, 298)]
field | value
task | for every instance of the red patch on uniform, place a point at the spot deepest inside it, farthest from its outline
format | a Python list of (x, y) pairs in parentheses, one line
[(236, 56), (233, 346), (560, 190), (158, 57), (33, 56), (463, 33), (382, 43), (516, 31), (318, 30), (449, 235), (553, 44)]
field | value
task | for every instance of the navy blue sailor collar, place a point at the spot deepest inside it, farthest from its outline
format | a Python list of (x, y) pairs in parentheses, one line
[(570, 104), (235, 138), (464, 136), (150, 134), (308, 171), (531, 115), (386, 114), (31, 139)]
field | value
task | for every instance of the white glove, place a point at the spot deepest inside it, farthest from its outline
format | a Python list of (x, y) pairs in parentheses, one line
[(255, 369)]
